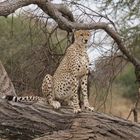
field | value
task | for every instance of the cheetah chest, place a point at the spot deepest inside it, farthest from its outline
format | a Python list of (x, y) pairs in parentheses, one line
[(82, 66)]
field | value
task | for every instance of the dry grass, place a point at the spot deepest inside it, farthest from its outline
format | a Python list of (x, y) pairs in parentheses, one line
[(116, 104), (121, 107)]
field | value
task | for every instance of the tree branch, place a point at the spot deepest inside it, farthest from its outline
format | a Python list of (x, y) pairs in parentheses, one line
[(57, 12), (8, 7), (68, 25)]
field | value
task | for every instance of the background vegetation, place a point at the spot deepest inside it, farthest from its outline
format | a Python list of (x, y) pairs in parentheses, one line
[(28, 53)]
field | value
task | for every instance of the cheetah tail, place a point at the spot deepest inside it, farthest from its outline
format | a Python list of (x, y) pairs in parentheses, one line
[(21, 99)]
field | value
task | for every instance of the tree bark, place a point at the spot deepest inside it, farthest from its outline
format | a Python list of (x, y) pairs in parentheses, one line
[(6, 86), (26, 122)]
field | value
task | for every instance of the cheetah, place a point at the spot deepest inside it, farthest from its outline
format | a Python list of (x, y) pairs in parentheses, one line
[(71, 74)]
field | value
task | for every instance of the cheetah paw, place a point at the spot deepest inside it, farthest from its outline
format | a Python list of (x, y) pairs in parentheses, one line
[(89, 108), (70, 103), (56, 104), (77, 110)]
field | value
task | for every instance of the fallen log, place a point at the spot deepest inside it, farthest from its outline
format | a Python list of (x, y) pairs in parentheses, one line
[(41, 122)]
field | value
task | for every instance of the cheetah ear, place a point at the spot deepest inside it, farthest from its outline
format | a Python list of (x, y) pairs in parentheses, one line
[(75, 30)]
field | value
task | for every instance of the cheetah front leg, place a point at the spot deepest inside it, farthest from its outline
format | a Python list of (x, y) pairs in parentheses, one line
[(47, 90), (74, 100), (75, 104), (83, 84)]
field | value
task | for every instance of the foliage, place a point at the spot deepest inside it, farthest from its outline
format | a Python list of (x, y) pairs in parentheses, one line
[(127, 82), (28, 51), (126, 16)]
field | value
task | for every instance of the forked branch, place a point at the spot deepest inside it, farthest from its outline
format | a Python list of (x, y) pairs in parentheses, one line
[(65, 20)]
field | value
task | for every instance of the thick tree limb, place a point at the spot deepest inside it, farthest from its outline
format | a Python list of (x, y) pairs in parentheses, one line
[(59, 14), (19, 121), (67, 25), (8, 7)]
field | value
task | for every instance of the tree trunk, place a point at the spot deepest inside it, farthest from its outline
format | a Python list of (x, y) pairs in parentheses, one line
[(26, 122), (6, 86)]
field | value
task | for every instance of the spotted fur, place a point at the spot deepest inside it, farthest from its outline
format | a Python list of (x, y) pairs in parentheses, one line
[(70, 74)]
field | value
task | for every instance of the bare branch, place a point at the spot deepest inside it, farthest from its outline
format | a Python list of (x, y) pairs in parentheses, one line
[(8, 7)]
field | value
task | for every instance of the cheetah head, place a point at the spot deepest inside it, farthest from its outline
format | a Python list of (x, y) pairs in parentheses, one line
[(82, 36)]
